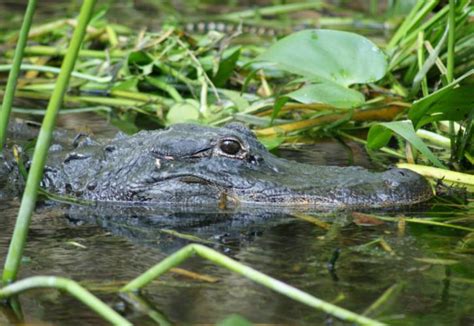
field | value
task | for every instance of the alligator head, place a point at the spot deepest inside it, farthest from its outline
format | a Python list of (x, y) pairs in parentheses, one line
[(196, 165)]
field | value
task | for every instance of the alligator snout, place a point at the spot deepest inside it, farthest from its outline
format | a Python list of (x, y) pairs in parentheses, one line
[(406, 185)]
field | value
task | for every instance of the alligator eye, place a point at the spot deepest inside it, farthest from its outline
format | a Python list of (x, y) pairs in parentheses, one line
[(230, 146)]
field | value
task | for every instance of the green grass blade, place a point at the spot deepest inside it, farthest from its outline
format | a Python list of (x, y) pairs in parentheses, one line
[(68, 286), (417, 14), (55, 70), (450, 63), (451, 40), (15, 70), (380, 134)]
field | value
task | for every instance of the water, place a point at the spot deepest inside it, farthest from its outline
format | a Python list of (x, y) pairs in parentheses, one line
[(103, 249)]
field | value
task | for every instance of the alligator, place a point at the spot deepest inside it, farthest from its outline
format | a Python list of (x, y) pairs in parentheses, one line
[(189, 165)]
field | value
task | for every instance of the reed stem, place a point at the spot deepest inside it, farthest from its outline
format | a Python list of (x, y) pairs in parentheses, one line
[(68, 286), (14, 72), (450, 63), (17, 244)]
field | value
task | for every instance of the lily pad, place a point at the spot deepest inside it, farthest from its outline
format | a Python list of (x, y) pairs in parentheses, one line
[(343, 57)]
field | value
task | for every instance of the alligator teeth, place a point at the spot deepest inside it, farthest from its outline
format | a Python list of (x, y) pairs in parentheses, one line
[(158, 163), (167, 157)]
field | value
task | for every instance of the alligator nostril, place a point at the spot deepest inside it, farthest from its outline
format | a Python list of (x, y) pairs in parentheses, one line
[(110, 148), (402, 173), (254, 159)]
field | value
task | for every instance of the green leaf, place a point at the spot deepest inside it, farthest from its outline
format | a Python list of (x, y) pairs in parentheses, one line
[(380, 134), (236, 98), (272, 142), (234, 320), (447, 103), (186, 111), (128, 84), (248, 79), (139, 58), (279, 103), (345, 58), (226, 67), (328, 93)]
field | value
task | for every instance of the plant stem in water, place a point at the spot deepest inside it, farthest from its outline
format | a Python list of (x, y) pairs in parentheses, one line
[(15, 70)]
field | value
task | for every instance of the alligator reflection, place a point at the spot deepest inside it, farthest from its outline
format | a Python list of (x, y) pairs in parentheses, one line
[(173, 227)]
